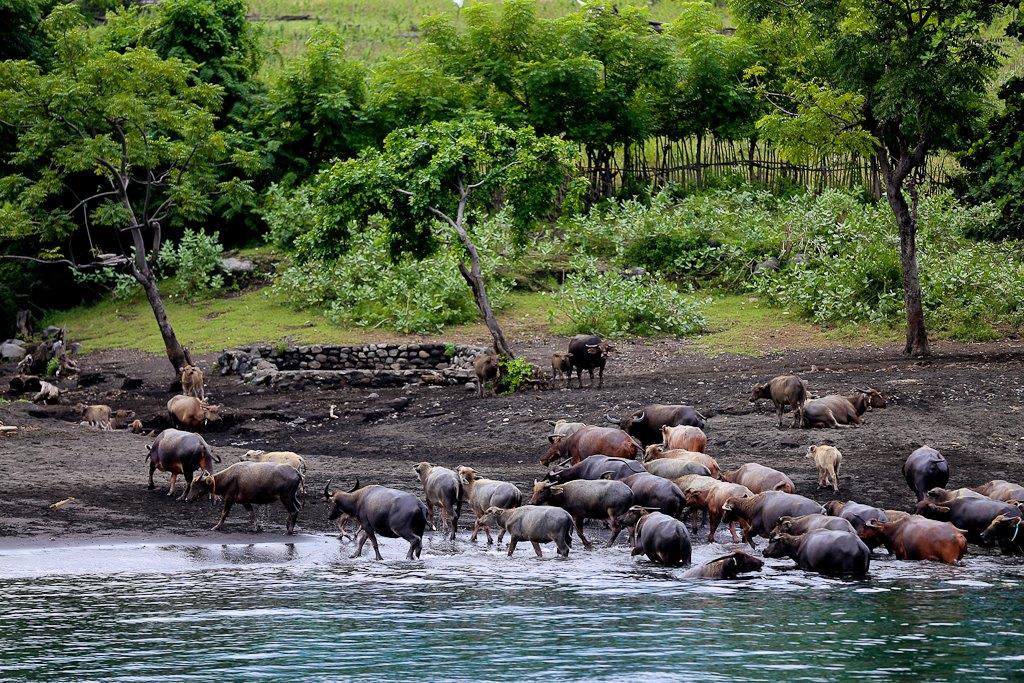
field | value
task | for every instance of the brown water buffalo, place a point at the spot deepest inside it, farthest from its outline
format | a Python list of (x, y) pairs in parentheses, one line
[(761, 513), (684, 437), (486, 368), (759, 478), (592, 441), (940, 496), (785, 392), (925, 469), (796, 526), (281, 457), (380, 510), (864, 400), (1000, 489), (712, 498), (917, 538), (587, 499), (1007, 532), (561, 367), (96, 415), (191, 413), (823, 551), (725, 567), (659, 452), (441, 488), (587, 352), (645, 424), (563, 428), (596, 467), (662, 538), (970, 515), (829, 411), (192, 382), (179, 452), (252, 483)]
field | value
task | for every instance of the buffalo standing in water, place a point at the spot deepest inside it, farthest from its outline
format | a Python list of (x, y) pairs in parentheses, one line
[(725, 567), (252, 483), (381, 510), (662, 538), (823, 551)]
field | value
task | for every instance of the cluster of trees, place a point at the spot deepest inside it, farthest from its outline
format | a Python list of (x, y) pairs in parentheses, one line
[(120, 132)]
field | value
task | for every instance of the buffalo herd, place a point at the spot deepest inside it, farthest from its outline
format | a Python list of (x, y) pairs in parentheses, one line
[(647, 474)]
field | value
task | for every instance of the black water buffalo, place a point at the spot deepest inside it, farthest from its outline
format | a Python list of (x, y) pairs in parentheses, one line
[(663, 539), (725, 567), (924, 469), (823, 551), (652, 491), (587, 352), (596, 467), (858, 515), (970, 515), (760, 514), (252, 483), (1007, 532), (381, 510), (179, 452), (645, 424)]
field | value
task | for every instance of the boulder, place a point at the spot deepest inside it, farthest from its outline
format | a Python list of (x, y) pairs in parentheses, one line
[(9, 351), (236, 266)]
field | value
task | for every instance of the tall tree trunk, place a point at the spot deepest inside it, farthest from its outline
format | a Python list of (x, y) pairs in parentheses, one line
[(906, 220), (144, 274)]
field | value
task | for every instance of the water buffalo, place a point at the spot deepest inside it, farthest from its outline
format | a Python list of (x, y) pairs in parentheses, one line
[(587, 499), (684, 437), (917, 538), (725, 567), (659, 452), (536, 524), (587, 352), (191, 413), (655, 492), (759, 478), (1000, 489), (796, 526), (592, 441), (924, 469), (786, 392), (663, 539), (823, 551), (857, 514), (940, 496), (179, 452), (970, 515), (829, 411), (563, 428), (252, 483), (380, 510), (712, 497), (96, 415), (864, 400), (561, 367), (1007, 532), (486, 368), (645, 424), (441, 487), (596, 467), (483, 493), (670, 468), (827, 459), (192, 381), (281, 457), (759, 514)]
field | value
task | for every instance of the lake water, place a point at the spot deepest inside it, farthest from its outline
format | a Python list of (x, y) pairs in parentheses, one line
[(304, 611)]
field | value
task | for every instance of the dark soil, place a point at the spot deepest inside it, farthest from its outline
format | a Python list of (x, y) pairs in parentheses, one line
[(966, 400)]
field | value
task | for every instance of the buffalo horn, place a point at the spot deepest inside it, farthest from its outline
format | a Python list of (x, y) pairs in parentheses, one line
[(356, 487), (327, 489), (609, 418)]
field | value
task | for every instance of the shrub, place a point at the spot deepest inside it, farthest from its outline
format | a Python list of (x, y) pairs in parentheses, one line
[(513, 372), (121, 286), (610, 305), (195, 263)]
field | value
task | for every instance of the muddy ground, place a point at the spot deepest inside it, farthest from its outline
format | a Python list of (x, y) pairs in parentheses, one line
[(966, 401)]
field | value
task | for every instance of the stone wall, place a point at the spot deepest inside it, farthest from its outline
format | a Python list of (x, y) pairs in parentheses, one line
[(371, 365)]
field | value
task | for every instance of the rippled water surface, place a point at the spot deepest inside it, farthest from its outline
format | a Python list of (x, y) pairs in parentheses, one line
[(306, 611)]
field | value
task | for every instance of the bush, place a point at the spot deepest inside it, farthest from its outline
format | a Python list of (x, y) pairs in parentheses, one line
[(610, 305), (195, 263), (366, 288), (121, 286), (513, 372)]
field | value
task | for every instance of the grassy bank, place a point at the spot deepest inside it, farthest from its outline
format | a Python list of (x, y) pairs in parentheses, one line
[(737, 324)]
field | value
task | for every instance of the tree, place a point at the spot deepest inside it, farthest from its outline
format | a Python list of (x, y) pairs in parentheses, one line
[(430, 183), (896, 80), (109, 143)]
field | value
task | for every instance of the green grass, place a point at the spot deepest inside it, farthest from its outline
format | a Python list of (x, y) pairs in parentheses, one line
[(377, 28), (738, 324)]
